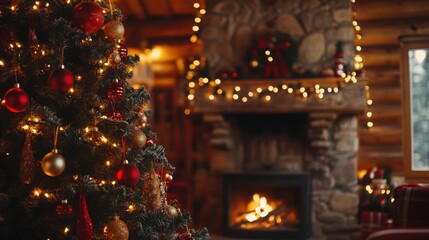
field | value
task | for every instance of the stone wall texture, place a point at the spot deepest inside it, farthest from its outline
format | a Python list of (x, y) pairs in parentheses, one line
[(229, 27)]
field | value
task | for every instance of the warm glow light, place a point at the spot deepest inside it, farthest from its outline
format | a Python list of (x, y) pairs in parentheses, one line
[(369, 114), (190, 97), (305, 94), (155, 53), (290, 90), (369, 124), (270, 88), (250, 94), (302, 89), (187, 111), (244, 99), (193, 38), (219, 91), (66, 230), (205, 80), (237, 88), (211, 97), (270, 59), (203, 11), (2, 63), (369, 102), (195, 28), (108, 163), (275, 90), (235, 96), (191, 84), (197, 20), (268, 98), (259, 90), (358, 48), (197, 5), (284, 86), (217, 81)]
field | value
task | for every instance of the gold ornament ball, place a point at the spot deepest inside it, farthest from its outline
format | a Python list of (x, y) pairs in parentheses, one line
[(114, 30), (53, 164), (96, 137), (115, 57), (116, 229), (139, 138), (172, 211)]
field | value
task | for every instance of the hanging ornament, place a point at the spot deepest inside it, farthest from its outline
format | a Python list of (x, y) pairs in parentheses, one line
[(7, 35), (95, 136), (114, 30), (16, 99), (186, 236), (123, 50), (128, 174), (27, 165), (116, 229), (88, 16), (138, 137), (53, 163), (84, 230), (152, 196), (115, 57), (150, 141), (115, 91), (172, 211), (114, 115), (61, 80), (64, 210)]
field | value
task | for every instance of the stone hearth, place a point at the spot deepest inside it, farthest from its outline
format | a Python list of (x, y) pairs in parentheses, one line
[(323, 139)]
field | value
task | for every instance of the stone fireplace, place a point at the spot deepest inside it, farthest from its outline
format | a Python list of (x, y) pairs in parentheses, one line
[(281, 131)]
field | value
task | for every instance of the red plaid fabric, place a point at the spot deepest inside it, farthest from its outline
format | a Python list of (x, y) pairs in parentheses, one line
[(411, 206), (400, 234), (371, 221)]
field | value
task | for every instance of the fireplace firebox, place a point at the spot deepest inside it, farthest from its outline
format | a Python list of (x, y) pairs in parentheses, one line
[(267, 205)]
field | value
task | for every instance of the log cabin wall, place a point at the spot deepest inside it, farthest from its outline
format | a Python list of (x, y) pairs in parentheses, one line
[(382, 23)]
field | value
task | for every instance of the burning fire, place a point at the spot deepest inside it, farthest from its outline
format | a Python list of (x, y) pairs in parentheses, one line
[(261, 213), (260, 208)]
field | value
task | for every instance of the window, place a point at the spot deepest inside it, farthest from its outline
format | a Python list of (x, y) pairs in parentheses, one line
[(415, 107)]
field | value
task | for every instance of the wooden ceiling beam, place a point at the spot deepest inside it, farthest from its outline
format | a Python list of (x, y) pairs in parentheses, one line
[(137, 31)]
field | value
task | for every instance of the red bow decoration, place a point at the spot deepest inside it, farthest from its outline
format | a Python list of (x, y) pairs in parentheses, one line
[(277, 67)]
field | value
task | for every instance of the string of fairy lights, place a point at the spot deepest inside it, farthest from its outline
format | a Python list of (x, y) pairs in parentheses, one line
[(359, 66), (267, 93)]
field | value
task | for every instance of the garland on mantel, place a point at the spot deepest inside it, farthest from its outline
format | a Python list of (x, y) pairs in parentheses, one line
[(196, 80)]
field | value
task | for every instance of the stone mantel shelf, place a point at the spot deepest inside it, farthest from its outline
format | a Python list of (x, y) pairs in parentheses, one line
[(350, 99)]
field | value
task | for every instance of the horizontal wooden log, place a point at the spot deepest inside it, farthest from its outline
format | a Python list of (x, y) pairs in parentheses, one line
[(382, 113), (136, 31), (383, 95), (381, 135), (382, 157), (381, 56), (388, 81), (390, 9), (377, 33)]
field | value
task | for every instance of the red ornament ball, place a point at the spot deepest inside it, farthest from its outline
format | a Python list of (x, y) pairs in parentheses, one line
[(61, 80), (123, 50), (128, 175), (115, 115), (88, 16), (16, 99), (64, 210), (115, 91)]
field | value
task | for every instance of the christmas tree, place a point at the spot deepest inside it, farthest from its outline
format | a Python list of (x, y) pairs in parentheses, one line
[(78, 159)]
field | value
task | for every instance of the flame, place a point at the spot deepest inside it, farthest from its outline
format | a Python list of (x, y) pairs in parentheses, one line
[(259, 207)]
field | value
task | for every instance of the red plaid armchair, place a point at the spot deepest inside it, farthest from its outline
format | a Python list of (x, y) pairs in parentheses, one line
[(410, 214)]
